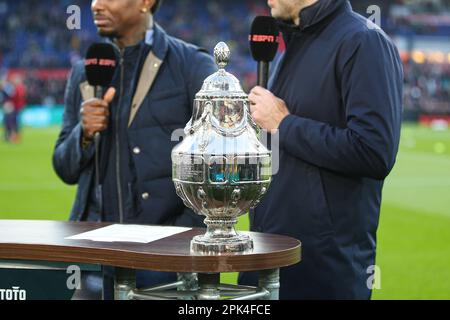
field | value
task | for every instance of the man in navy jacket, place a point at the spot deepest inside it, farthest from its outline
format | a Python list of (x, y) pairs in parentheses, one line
[(336, 100), (136, 146), (135, 170)]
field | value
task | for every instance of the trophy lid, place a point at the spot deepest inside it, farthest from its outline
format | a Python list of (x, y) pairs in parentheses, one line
[(221, 84)]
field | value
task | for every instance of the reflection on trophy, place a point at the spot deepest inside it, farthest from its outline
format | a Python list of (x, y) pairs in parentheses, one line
[(221, 169)]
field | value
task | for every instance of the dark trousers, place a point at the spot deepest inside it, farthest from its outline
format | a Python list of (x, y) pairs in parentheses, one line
[(11, 124)]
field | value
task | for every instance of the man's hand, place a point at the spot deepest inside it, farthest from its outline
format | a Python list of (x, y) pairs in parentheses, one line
[(267, 110), (95, 114)]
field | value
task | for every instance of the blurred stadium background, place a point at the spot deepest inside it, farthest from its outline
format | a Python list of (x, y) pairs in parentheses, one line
[(37, 49)]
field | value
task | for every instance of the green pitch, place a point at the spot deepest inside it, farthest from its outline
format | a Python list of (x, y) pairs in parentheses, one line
[(413, 237)]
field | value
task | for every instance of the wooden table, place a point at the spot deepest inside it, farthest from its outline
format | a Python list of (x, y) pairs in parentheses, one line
[(44, 241)]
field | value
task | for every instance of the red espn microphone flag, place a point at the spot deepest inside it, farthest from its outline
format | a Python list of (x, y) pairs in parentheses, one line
[(100, 64), (264, 39)]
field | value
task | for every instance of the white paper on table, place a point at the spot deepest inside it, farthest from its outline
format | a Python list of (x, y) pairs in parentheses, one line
[(128, 233)]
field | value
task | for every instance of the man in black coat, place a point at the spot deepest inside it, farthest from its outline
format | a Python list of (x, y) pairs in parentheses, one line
[(151, 96), (336, 100)]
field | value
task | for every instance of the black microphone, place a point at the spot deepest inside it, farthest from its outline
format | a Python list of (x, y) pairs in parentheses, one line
[(100, 65), (264, 40)]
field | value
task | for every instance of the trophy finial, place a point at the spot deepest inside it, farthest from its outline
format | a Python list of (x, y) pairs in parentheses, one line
[(222, 54)]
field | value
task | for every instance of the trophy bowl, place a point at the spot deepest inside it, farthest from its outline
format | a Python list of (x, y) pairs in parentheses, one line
[(221, 169)]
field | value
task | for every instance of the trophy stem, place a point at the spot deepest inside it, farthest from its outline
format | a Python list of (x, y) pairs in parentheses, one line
[(221, 237), (220, 228)]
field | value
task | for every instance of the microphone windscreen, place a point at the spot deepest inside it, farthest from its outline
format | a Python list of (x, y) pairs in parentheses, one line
[(264, 38), (100, 64)]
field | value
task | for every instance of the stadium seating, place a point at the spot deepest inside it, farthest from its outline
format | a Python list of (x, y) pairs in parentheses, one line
[(35, 36)]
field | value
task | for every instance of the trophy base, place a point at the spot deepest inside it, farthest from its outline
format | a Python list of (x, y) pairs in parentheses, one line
[(206, 245)]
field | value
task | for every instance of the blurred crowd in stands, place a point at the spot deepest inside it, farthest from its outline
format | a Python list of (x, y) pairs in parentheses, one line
[(34, 37), (427, 88)]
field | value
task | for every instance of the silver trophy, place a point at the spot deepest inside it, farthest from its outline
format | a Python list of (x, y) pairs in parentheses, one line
[(221, 169)]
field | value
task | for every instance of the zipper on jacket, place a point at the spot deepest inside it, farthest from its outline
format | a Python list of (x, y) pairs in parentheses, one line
[(119, 106)]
